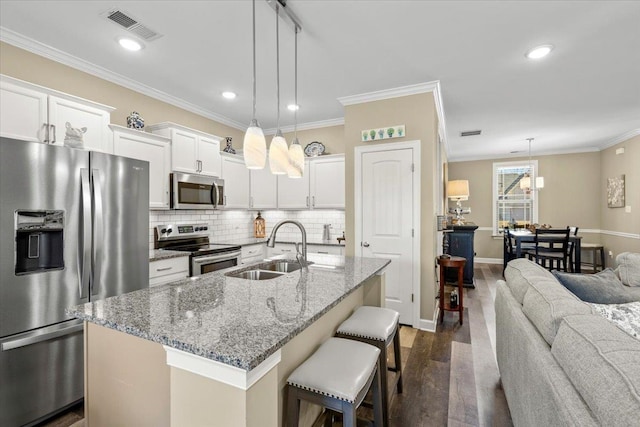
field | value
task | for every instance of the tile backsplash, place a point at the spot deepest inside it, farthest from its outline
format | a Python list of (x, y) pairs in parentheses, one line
[(227, 225)]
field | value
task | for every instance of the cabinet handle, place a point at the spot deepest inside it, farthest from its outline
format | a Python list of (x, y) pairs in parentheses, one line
[(53, 131), (322, 252), (46, 133), (313, 201), (164, 269), (225, 199), (286, 250), (307, 201)]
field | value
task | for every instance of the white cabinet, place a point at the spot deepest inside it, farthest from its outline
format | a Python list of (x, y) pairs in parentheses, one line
[(263, 188), (283, 248), (154, 149), (236, 182), (35, 113), (253, 253), (192, 151), (325, 249), (294, 193), (168, 270), (326, 182)]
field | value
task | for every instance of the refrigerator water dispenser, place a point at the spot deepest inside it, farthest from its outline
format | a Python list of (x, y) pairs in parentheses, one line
[(39, 241)]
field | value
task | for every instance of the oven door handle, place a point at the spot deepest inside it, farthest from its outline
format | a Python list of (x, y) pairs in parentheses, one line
[(204, 259)]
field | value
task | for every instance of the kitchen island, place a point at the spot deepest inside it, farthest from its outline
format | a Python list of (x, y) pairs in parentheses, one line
[(216, 350)]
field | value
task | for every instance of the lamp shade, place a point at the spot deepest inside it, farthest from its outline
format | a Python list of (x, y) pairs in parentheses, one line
[(458, 189), (254, 147), (278, 155), (525, 183), (296, 160), (540, 182)]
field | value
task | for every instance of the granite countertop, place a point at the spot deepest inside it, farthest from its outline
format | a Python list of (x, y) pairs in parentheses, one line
[(159, 254), (231, 320), (255, 241)]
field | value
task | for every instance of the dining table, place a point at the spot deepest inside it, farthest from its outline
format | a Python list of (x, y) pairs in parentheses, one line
[(519, 237)]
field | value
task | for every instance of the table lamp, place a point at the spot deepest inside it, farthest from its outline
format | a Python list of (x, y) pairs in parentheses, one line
[(458, 190)]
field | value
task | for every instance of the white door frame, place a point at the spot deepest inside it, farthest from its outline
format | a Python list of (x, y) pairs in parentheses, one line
[(359, 151)]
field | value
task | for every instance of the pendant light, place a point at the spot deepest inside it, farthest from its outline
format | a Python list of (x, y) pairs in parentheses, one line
[(296, 155), (525, 182), (278, 150), (254, 146)]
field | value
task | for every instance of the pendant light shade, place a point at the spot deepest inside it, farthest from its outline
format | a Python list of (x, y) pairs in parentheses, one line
[(296, 160), (525, 182), (278, 155), (254, 146)]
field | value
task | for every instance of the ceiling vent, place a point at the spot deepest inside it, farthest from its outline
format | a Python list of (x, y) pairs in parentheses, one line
[(124, 20), (470, 133)]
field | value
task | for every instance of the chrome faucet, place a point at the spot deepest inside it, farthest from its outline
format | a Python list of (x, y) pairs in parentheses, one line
[(301, 257)]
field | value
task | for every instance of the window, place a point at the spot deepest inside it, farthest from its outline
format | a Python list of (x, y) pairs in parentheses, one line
[(511, 203)]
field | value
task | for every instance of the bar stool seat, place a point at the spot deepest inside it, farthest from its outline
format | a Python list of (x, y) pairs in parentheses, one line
[(379, 327), (594, 248), (337, 376)]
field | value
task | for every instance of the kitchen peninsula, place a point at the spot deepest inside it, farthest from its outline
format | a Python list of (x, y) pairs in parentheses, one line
[(216, 350)]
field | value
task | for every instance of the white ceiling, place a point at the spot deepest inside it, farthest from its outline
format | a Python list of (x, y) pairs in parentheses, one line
[(583, 96)]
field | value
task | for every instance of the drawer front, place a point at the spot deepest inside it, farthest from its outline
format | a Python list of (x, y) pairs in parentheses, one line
[(252, 251), (328, 250), (253, 260), (169, 266), (161, 280)]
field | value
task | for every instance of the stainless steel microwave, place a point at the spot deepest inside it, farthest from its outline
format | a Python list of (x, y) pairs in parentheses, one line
[(190, 191)]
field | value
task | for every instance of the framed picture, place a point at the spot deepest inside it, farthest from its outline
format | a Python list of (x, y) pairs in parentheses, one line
[(615, 192)]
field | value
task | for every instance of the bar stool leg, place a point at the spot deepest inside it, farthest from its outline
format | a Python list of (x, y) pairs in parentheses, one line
[(293, 407), (349, 415), (384, 381), (601, 258), (397, 357), (378, 396)]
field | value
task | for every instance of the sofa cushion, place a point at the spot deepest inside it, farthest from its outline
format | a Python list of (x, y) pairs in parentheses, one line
[(520, 273), (602, 362), (600, 288), (547, 302), (628, 268)]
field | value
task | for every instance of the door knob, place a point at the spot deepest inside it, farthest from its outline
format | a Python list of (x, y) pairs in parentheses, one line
[(365, 244)]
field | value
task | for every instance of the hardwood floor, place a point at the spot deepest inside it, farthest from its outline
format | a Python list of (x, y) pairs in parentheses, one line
[(450, 377)]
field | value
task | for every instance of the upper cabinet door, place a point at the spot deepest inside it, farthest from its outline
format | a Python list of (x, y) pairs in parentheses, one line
[(236, 183), (23, 113), (183, 151), (96, 136), (327, 183), (209, 156), (294, 193), (264, 189), (154, 149)]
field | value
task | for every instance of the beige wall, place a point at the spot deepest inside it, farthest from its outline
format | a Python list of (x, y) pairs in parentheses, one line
[(36, 69), (574, 194), (331, 137), (617, 219), (418, 113)]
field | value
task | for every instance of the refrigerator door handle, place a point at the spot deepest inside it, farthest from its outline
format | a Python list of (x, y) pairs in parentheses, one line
[(98, 230), (84, 242), (46, 336)]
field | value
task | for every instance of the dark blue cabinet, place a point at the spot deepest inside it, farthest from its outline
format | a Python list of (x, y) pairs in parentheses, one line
[(459, 242)]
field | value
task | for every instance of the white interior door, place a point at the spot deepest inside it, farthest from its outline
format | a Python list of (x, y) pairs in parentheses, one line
[(387, 222)]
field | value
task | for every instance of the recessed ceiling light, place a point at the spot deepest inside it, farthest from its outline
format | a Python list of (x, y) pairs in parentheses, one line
[(539, 51), (229, 95), (293, 107), (130, 44)]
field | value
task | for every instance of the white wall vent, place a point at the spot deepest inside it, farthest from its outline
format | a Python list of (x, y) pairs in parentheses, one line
[(126, 21), (470, 133)]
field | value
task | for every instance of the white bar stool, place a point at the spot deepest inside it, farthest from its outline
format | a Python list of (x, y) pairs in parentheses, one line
[(337, 376), (377, 326)]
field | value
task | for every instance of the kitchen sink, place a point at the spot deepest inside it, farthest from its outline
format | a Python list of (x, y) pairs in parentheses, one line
[(255, 274), (282, 266)]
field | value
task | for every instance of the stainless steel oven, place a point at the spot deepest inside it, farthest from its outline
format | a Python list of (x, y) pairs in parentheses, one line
[(204, 257), (190, 191)]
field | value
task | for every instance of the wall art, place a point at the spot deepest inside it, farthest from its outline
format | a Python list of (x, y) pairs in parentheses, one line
[(387, 132), (615, 192)]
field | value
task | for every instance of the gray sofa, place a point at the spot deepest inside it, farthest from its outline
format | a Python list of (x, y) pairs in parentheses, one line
[(561, 364)]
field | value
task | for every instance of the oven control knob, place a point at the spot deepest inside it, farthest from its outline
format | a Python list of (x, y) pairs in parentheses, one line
[(164, 230), (169, 230), (205, 228), (196, 228)]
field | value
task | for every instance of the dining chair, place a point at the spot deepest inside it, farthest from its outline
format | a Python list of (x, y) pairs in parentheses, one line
[(573, 231), (551, 245), (508, 251)]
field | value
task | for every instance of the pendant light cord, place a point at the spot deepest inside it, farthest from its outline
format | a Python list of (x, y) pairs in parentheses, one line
[(254, 60), (278, 65), (295, 111)]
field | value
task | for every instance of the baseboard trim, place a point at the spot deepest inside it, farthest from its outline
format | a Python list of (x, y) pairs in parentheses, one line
[(487, 260), (430, 325)]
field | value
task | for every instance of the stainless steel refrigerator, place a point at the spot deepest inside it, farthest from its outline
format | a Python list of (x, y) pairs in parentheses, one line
[(74, 227)]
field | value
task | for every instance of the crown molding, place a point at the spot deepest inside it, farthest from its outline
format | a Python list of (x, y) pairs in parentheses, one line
[(390, 93), (620, 138), (454, 159), (46, 51), (306, 126)]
